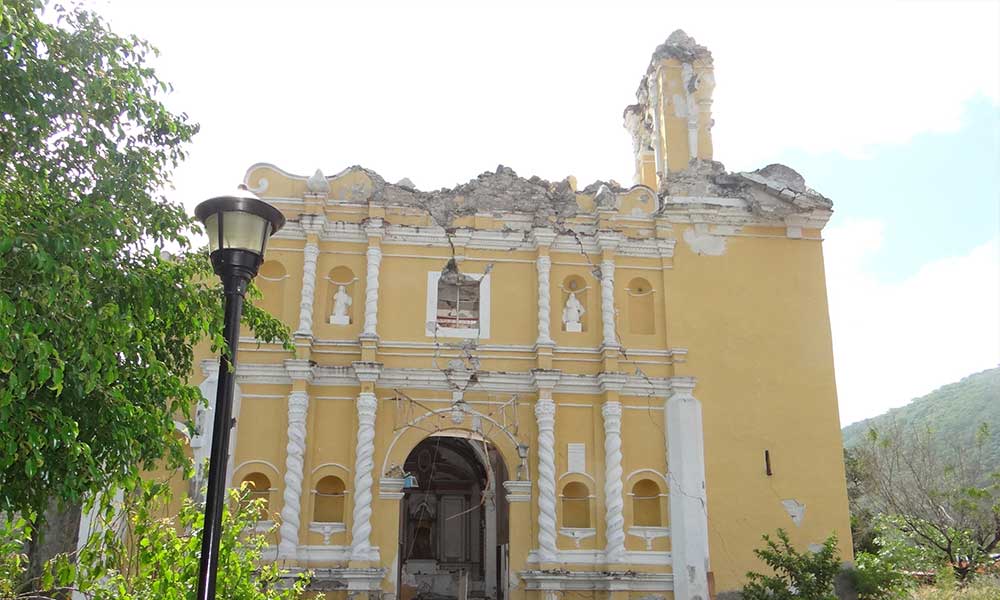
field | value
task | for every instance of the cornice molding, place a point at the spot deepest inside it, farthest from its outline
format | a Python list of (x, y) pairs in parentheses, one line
[(488, 381)]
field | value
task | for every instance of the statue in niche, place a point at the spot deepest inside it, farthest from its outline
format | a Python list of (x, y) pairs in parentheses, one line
[(341, 302), (572, 313)]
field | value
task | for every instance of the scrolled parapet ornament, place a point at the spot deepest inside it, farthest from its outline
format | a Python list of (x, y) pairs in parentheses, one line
[(374, 256), (614, 519), (545, 413), (544, 264), (311, 253), (608, 303), (364, 463), (298, 408)]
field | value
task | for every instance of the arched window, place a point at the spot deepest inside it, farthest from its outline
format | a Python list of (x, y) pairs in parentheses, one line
[(576, 505), (328, 504), (646, 503), (640, 307), (259, 487)]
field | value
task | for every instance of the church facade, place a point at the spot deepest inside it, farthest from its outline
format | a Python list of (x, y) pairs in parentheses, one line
[(527, 389)]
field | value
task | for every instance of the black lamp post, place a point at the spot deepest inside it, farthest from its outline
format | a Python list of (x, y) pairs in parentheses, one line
[(238, 226)]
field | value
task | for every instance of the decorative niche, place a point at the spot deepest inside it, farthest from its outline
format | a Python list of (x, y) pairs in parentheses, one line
[(271, 280), (641, 314), (341, 297), (574, 304)]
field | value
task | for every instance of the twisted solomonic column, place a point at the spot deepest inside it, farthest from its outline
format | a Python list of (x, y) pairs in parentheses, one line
[(308, 289), (361, 548), (374, 255), (298, 406), (614, 521), (545, 414), (608, 302), (544, 263)]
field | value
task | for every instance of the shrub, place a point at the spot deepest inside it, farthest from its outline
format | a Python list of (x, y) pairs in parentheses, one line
[(878, 577), (807, 575)]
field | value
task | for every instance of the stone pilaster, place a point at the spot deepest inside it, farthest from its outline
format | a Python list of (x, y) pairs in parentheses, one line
[(614, 494), (374, 262), (311, 253), (298, 407), (545, 414), (608, 242), (688, 507), (543, 239), (301, 373), (364, 464)]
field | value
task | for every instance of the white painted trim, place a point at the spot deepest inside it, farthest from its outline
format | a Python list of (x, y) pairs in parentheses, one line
[(518, 491), (662, 477), (597, 557), (332, 464), (326, 529), (277, 472), (569, 473), (484, 309), (648, 533)]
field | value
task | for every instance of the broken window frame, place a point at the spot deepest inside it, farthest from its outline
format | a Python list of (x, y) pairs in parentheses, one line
[(435, 329)]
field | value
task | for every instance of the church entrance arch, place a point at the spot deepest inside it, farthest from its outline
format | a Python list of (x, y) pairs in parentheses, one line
[(453, 529)]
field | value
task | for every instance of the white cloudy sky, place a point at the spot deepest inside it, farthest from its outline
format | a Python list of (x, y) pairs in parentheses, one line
[(440, 92)]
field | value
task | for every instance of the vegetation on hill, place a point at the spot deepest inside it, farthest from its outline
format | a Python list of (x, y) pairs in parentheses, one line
[(924, 488), (952, 412)]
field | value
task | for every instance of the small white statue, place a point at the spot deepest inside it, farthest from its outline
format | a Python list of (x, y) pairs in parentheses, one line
[(341, 302), (572, 313)]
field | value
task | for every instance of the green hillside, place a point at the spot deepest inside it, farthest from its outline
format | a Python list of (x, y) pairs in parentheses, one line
[(953, 412)]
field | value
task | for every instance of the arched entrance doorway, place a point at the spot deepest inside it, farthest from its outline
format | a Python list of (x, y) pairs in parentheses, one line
[(453, 530)]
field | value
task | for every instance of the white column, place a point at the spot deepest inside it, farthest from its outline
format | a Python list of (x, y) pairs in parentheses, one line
[(311, 253), (608, 303), (614, 520), (361, 548), (374, 256), (544, 264), (298, 407), (688, 508), (545, 414)]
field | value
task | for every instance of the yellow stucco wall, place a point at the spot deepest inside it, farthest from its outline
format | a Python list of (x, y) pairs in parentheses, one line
[(744, 317)]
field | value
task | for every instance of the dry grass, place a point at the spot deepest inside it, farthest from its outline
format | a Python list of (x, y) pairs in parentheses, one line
[(983, 588)]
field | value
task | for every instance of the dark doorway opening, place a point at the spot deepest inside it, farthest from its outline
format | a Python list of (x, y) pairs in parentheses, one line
[(453, 530)]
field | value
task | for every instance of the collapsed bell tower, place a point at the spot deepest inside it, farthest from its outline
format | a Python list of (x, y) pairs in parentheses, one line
[(671, 124)]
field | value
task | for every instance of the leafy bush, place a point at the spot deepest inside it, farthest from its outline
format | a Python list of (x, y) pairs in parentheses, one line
[(807, 575), (878, 577), (137, 554)]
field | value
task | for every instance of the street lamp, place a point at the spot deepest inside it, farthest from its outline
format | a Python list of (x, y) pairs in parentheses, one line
[(238, 227)]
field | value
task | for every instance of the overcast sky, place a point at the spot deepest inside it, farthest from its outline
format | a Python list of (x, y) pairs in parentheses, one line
[(890, 108)]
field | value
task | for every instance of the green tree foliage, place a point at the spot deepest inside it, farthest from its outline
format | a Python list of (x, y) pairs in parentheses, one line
[(946, 503), (97, 325), (139, 555), (803, 575)]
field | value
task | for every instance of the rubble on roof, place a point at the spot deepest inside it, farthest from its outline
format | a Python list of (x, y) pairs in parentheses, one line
[(493, 191)]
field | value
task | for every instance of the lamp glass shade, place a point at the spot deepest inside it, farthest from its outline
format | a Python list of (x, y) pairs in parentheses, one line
[(240, 230)]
